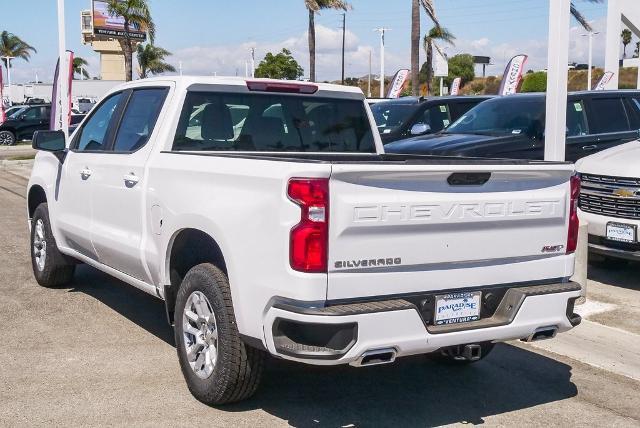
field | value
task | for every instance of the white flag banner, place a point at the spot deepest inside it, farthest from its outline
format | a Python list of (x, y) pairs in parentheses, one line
[(440, 62), (3, 115), (455, 86), (602, 84), (513, 75), (398, 82), (62, 72)]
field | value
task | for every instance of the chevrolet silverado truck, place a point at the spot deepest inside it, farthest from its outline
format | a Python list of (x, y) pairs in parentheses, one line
[(269, 219), (610, 203)]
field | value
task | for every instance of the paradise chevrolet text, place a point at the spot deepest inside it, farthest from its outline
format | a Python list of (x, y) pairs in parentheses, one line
[(269, 219)]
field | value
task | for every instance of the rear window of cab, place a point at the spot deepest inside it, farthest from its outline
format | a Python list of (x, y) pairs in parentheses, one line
[(214, 121)]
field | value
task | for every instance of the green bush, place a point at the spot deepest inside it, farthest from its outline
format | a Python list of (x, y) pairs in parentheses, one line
[(535, 82)]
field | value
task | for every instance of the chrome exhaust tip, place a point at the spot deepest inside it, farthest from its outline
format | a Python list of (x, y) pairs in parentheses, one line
[(542, 333), (376, 357)]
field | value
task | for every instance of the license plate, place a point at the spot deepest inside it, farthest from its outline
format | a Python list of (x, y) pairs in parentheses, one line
[(457, 308), (621, 232)]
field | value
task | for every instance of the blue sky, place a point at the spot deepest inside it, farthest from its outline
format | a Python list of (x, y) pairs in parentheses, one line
[(214, 36)]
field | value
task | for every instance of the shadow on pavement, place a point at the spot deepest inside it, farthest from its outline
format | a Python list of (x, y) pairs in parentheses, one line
[(137, 306), (624, 275), (414, 391)]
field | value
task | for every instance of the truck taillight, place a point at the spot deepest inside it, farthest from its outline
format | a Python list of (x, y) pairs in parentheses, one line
[(308, 247), (574, 222)]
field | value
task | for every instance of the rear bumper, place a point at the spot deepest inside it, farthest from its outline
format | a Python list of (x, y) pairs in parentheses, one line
[(342, 334)]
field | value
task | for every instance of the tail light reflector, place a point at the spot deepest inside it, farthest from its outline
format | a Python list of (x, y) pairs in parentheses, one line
[(574, 222), (309, 239), (286, 87)]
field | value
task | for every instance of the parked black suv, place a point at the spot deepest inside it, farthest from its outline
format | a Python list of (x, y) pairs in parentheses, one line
[(513, 127), (410, 116), (22, 123)]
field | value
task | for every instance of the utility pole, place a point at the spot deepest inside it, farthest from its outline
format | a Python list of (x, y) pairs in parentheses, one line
[(382, 30), (63, 82), (8, 64), (590, 35), (344, 29), (369, 82), (253, 62)]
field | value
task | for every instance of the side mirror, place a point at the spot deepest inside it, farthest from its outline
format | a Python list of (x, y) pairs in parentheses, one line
[(50, 141), (420, 129)]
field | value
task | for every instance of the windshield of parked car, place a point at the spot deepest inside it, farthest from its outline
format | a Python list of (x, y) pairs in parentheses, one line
[(273, 122), (510, 115), (390, 116)]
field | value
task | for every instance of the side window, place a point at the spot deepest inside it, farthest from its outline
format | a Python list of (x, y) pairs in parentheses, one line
[(609, 115), (93, 133), (633, 108), (32, 114), (139, 119), (458, 109), (437, 117), (576, 119)]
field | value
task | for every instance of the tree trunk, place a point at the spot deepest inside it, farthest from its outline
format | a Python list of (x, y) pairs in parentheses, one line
[(429, 66), (127, 49), (312, 46), (415, 47)]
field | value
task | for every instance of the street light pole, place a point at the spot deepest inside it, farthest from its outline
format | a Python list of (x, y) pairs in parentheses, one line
[(590, 34), (344, 29), (382, 31), (8, 63)]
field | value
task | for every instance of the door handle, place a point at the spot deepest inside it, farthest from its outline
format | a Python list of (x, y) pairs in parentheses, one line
[(131, 180), (589, 148), (85, 173)]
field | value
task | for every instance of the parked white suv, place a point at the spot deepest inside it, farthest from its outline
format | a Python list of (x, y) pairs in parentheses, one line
[(610, 201), (269, 219)]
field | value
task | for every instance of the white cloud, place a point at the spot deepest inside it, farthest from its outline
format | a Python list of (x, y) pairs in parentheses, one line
[(229, 59)]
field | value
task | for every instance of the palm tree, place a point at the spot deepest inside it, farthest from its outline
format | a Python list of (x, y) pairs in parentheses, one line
[(79, 65), (580, 17), (151, 60), (435, 34), (427, 5), (313, 6), (626, 35), (136, 13), (13, 46)]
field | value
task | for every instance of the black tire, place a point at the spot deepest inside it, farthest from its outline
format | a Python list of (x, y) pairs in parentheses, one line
[(7, 138), (57, 269), (238, 368), (447, 356)]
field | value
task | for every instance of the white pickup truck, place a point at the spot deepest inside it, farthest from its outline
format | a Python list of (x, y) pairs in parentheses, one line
[(269, 219)]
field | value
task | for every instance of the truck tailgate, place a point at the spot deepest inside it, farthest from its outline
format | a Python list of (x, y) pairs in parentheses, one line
[(407, 229)]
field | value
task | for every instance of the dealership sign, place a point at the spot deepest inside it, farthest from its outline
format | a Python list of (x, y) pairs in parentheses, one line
[(398, 82), (440, 62), (513, 75), (105, 24), (602, 84), (455, 86)]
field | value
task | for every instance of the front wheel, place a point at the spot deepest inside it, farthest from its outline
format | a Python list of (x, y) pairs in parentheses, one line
[(218, 367), (7, 138), (50, 267)]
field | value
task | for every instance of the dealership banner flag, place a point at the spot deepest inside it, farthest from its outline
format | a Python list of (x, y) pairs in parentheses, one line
[(398, 82), (455, 86), (3, 116), (64, 72), (602, 84), (513, 75)]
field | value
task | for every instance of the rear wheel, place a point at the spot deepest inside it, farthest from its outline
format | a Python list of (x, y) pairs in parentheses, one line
[(7, 138), (218, 367), (50, 267)]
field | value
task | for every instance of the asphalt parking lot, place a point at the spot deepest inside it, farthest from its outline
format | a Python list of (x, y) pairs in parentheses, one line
[(101, 353)]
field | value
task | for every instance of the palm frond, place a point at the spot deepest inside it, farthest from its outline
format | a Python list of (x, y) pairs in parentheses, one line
[(430, 10)]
